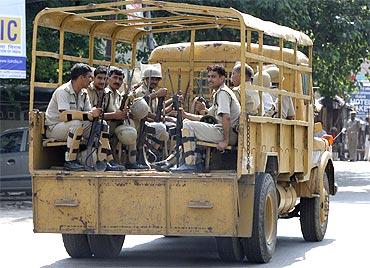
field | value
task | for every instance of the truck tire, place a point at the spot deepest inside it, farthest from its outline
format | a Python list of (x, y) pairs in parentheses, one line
[(106, 246), (230, 249), (77, 245), (260, 247), (314, 214)]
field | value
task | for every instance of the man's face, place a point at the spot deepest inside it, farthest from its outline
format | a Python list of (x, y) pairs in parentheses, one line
[(99, 81), (153, 83), (353, 116), (235, 78), (215, 80), (86, 79), (115, 81)]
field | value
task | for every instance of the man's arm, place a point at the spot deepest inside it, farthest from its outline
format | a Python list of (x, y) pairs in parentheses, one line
[(226, 129), (162, 92), (69, 115), (117, 115), (190, 116)]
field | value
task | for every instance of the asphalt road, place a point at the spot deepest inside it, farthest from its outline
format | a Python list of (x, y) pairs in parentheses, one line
[(346, 243)]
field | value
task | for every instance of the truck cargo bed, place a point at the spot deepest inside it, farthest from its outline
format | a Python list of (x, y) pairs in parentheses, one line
[(145, 202)]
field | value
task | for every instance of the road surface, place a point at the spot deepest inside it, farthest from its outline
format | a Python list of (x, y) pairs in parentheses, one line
[(346, 243)]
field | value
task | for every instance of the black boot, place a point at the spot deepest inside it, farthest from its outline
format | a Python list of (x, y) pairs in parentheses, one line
[(114, 166), (162, 165), (136, 166), (73, 165)]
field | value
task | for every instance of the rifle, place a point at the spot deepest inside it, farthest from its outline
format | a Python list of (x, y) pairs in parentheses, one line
[(176, 106), (97, 127), (201, 98), (142, 158)]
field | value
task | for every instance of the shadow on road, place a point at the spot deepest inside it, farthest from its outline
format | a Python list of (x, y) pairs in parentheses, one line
[(354, 182), (190, 251)]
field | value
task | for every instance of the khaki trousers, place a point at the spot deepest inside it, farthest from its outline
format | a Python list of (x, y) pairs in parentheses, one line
[(195, 130), (72, 132)]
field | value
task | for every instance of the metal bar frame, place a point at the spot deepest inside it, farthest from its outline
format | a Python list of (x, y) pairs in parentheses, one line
[(184, 15)]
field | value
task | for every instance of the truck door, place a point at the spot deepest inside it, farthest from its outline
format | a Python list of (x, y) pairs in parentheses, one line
[(14, 173)]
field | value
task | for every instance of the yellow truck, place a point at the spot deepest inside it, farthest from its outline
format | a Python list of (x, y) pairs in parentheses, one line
[(277, 170)]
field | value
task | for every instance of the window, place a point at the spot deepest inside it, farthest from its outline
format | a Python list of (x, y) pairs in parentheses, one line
[(11, 142), (11, 115)]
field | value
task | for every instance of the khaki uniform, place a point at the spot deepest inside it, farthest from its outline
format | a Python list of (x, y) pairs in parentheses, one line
[(160, 128), (287, 105), (353, 128), (252, 99), (65, 99), (224, 102), (114, 104), (268, 105), (96, 95)]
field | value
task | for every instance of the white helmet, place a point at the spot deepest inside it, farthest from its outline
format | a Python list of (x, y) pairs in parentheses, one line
[(152, 72), (266, 79), (273, 71), (139, 108), (126, 133)]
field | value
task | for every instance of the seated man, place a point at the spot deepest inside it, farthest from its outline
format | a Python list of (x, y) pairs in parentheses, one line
[(225, 108), (119, 122), (69, 115), (288, 111), (268, 103), (252, 99), (97, 87), (153, 94)]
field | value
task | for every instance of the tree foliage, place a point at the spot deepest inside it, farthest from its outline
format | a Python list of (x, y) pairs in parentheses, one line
[(339, 29)]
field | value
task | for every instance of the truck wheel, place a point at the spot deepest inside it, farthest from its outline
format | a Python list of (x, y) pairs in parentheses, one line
[(315, 214), (260, 247), (77, 245), (106, 246), (230, 249)]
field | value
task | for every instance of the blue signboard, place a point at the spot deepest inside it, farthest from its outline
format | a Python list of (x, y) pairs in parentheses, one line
[(361, 101), (12, 39)]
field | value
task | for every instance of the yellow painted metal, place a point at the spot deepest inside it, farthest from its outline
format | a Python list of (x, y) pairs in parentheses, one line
[(71, 203), (216, 218), (242, 119), (246, 205), (66, 205), (148, 202)]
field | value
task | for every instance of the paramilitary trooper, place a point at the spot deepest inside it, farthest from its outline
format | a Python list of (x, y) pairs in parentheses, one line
[(288, 111), (120, 123), (150, 91), (252, 98), (69, 115), (225, 108)]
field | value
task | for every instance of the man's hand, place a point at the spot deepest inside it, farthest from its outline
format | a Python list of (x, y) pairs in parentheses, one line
[(162, 92), (95, 112), (199, 106), (174, 112), (120, 115), (222, 145)]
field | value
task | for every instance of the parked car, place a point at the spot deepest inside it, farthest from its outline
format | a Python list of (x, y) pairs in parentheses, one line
[(14, 173)]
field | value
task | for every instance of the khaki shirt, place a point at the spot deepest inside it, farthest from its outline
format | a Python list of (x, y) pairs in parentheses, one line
[(353, 126), (143, 91), (115, 99), (225, 102), (286, 103), (96, 95), (252, 98), (65, 99)]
